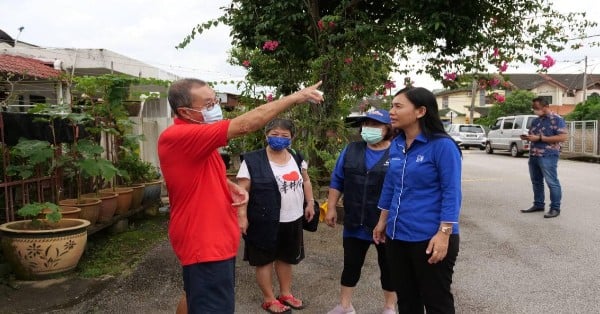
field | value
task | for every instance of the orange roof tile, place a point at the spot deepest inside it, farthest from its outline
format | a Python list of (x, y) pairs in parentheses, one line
[(26, 66)]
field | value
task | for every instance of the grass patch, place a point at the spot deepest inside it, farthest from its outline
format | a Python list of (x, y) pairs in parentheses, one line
[(114, 254)]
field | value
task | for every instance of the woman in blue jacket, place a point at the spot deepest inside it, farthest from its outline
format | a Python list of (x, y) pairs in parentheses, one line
[(358, 174), (420, 205)]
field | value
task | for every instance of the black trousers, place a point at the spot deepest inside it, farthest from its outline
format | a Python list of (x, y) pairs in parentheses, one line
[(419, 285), (355, 251)]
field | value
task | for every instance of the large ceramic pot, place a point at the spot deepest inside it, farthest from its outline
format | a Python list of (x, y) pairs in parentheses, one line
[(90, 207), (108, 204), (123, 199), (152, 191), (36, 254), (137, 195)]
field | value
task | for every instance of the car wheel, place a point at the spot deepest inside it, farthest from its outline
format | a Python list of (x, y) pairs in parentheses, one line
[(466, 147), (514, 151), (488, 148)]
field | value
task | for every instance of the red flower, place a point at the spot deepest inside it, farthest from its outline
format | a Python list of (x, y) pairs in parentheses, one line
[(547, 62), (270, 45), (269, 97), (246, 63), (320, 25), (389, 84), (499, 98), (503, 66), (450, 76), (331, 24), (496, 52), (494, 82), (348, 60)]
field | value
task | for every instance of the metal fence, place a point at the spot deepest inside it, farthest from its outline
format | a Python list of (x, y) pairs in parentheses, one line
[(583, 137)]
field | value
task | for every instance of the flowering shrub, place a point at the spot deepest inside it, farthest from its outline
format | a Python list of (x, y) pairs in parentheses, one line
[(246, 63), (270, 45), (547, 62)]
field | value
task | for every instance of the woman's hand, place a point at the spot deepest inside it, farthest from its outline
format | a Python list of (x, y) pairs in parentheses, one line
[(331, 217), (243, 223), (309, 211), (379, 232), (438, 247)]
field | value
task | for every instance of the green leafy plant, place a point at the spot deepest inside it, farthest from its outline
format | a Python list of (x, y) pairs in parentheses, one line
[(33, 210), (29, 156)]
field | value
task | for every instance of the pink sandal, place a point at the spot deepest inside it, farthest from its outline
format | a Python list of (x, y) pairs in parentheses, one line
[(291, 301), (280, 307)]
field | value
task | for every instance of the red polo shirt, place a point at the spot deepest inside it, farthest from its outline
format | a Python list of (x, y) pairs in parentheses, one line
[(203, 225)]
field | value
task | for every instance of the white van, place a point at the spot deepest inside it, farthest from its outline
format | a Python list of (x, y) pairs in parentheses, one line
[(505, 135)]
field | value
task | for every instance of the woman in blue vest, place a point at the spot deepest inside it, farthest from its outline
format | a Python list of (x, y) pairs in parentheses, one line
[(277, 180), (420, 205), (358, 175)]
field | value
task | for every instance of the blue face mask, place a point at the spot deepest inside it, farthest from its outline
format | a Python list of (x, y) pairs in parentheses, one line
[(371, 135), (213, 115), (279, 143)]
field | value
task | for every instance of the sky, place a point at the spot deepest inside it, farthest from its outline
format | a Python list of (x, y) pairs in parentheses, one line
[(149, 30)]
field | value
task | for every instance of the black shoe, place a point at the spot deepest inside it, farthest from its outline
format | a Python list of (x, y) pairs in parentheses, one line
[(552, 213), (532, 209)]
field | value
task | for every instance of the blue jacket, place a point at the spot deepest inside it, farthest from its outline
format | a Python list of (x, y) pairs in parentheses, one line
[(422, 187)]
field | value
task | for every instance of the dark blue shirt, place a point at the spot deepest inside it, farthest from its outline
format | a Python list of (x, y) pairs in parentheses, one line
[(547, 125)]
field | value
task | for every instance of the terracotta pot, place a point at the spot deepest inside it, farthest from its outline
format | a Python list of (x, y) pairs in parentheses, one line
[(66, 212), (90, 208), (152, 191), (35, 254), (137, 195), (108, 204), (123, 199)]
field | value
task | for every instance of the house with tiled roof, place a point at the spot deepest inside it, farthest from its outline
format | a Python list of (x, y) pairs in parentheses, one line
[(26, 81), (562, 91)]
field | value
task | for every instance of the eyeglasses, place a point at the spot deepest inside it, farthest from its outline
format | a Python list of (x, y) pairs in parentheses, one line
[(209, 104)]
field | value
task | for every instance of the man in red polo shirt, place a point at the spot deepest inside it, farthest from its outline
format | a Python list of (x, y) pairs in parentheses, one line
[(204, 229)]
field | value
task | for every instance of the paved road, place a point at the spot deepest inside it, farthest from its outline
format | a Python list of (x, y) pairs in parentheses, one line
[(522, 263), (509, 262)]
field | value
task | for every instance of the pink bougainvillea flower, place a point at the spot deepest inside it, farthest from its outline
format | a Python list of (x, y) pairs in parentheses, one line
[(246, 63), (389, 84), (320, 25), (270, 97), (503, 66), (271, 45), (499, 98), (348, 60), (331, 24), (450, 76), (494, 82), (547, 62), (496, 52)]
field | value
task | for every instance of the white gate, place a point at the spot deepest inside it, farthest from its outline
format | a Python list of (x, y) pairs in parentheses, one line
[(583, 137)]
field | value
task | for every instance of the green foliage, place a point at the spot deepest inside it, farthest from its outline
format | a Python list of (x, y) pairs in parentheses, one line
[(588, 110), (352, 46), (32, 211), (517, 102), (29, 155)]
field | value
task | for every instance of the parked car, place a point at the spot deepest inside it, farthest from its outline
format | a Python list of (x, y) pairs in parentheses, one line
[(506, 133), (467, 135)]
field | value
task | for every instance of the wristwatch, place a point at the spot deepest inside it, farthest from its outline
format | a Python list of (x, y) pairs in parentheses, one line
[(446, 230)]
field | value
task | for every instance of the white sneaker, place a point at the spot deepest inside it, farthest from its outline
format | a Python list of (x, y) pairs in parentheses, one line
[(339, 309)]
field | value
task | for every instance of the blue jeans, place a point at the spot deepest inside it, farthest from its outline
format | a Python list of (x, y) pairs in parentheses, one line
[(541, 168)]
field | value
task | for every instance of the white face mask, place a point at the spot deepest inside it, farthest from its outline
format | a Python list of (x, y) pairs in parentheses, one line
[(210, 116)]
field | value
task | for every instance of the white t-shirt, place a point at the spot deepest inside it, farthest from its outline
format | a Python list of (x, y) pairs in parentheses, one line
[(289, 181)]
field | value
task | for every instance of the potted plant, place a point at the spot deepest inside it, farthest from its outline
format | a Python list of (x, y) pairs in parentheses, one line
[(37, 248)]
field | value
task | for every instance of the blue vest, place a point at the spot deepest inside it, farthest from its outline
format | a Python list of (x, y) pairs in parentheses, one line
[(362, 187)]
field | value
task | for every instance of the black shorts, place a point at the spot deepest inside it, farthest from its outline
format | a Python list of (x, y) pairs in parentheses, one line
[(289, 248)]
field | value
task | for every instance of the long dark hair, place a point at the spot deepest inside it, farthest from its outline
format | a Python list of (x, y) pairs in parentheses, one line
[(431, 124)]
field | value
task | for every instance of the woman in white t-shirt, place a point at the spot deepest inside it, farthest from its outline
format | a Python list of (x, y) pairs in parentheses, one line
[(277, 180)]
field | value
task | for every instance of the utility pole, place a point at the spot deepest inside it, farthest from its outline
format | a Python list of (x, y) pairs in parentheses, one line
[(473, 96), (585, 80)]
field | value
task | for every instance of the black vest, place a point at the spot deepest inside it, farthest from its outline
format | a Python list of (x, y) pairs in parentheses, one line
[(264, 203), (362, 188)]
